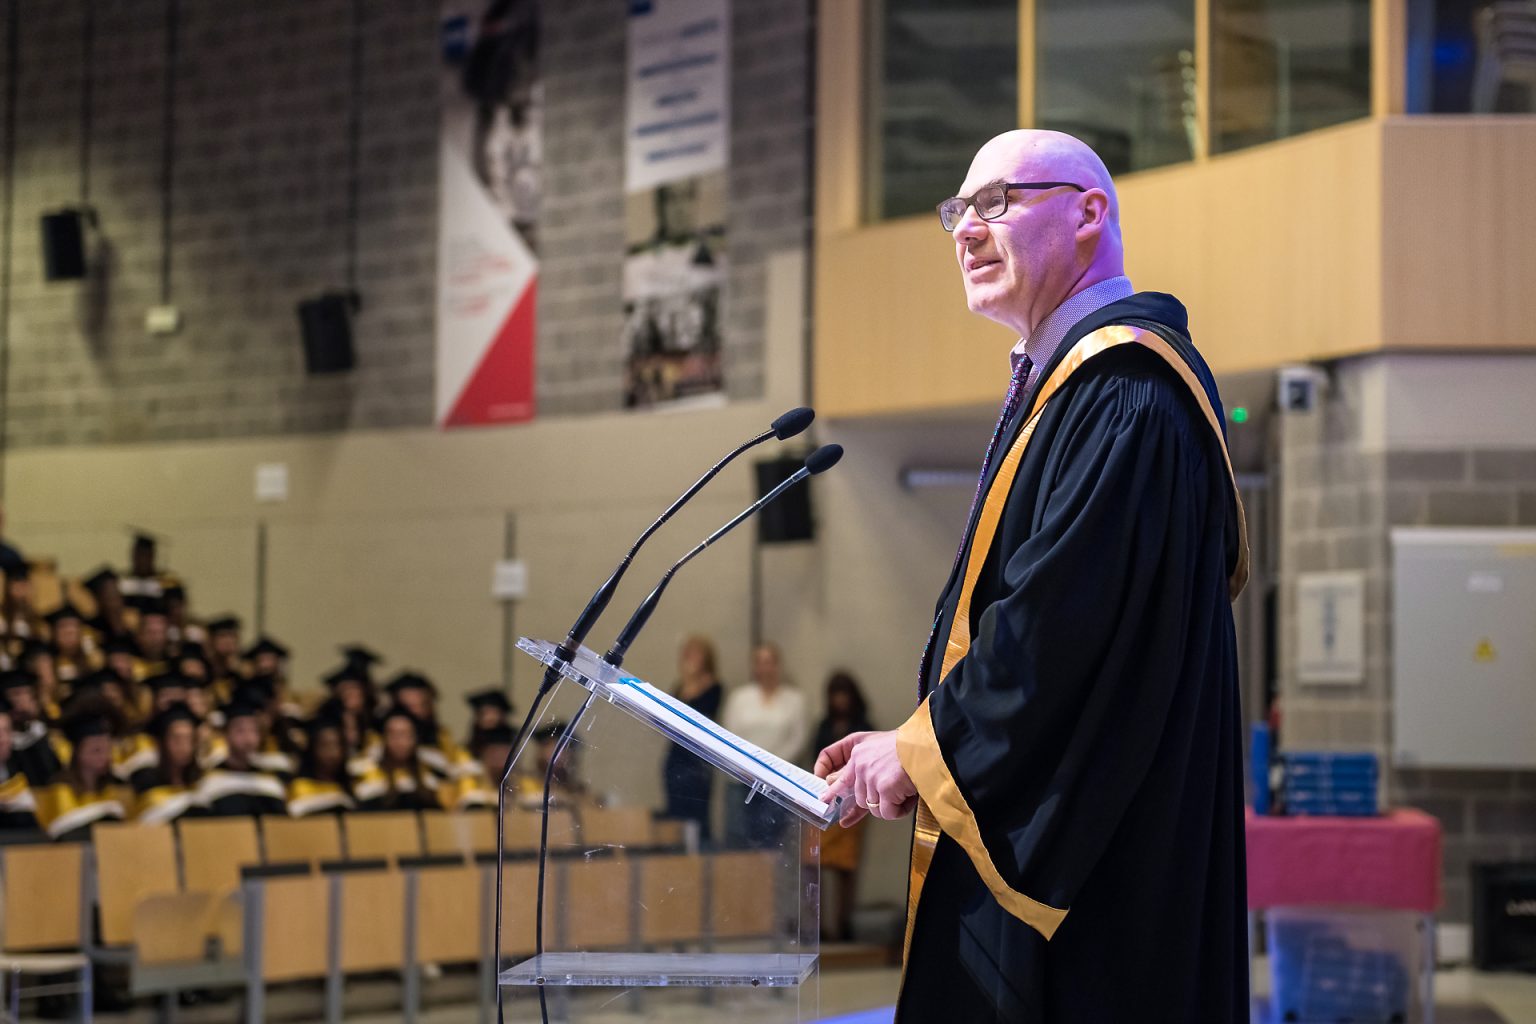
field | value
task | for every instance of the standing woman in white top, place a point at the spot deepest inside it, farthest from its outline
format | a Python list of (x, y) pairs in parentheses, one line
[(771, 714)]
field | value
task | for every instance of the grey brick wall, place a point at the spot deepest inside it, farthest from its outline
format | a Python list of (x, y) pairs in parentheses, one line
[(261, 202), (1340, 503)]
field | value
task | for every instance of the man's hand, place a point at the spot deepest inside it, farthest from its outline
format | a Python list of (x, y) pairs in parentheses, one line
[(864, 766)]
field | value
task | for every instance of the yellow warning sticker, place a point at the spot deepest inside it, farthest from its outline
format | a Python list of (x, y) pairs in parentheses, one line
[(1484, 651)]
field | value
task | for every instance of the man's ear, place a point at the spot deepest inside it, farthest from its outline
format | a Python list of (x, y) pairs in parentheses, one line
[(1095, 211)]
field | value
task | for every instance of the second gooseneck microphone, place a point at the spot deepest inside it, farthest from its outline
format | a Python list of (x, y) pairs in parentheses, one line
[(819, 461)]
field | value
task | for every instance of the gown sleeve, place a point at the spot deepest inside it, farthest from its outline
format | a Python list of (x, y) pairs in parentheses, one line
[(1033, 746)]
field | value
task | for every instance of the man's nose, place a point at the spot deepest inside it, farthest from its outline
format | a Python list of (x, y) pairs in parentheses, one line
[(971, 227)]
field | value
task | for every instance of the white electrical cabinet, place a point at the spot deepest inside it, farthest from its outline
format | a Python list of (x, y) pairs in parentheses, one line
[(1464, 648)]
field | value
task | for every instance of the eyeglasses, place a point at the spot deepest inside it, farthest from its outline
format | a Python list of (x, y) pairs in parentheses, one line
[(991, 201)]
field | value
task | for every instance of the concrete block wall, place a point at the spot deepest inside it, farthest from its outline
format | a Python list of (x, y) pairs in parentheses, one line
[(260, 206), (1346, 483)]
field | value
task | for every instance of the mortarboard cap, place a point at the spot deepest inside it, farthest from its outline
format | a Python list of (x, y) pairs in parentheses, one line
[(16, 570), (166, 681), (265, 645), (489, 698), (496, 734), (16, 678), (224, 624), (142, 540), (121, 645), (177, 712), (409, 680), (174, 591), (549, 732), (357, 654), (348, 673), (88, 716), (153, 606), (244, 705), (399, 711), (100, 576), (65, 611)]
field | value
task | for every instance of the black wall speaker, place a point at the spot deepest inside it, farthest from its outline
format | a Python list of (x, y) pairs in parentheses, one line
[(64, 245), (1504, 916), (327, 324), (788, 518)]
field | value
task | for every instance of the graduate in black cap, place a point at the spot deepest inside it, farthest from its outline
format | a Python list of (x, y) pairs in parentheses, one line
[(110, 621), (85, 791), (478, 790), (36, 752), (348, 705), (180, 626), (19, 621), (75, 651), (400, 779), (169, 789), (489, 709), (223, 649), (18, 808), (415, 692), (566, 785), (37, 658), (266, 657), (143, 584), (324, 782), (153, 637), (235, 785)]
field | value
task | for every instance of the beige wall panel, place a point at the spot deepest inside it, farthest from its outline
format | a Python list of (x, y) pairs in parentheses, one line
[(1459, 235)]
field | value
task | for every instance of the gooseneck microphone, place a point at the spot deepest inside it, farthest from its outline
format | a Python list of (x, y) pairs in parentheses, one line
[(786, 426), (819, 461)]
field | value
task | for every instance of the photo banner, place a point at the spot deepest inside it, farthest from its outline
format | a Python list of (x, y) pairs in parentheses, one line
[(491, 181), (677, 148)]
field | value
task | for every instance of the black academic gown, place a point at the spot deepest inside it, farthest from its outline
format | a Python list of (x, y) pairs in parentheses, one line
[(1093, 726)]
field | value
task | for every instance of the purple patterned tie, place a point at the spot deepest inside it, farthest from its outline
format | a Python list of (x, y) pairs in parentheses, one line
[(1016, 387)]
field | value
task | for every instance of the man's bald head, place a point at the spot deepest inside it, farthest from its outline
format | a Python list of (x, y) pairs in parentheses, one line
[(1050, 243), (1034, 154)]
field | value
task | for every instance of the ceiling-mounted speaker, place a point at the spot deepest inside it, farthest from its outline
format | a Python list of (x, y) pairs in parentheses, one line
[(64, 244), (327, 324), (788, 519)]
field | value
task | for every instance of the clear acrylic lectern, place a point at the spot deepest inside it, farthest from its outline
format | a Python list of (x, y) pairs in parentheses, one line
[(645, 919)]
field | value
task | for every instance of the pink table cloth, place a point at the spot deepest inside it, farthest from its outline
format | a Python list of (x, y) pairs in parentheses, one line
[(1391, 862)]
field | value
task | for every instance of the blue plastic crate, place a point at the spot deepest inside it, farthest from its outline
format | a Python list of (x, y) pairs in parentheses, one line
[(1331, 966)]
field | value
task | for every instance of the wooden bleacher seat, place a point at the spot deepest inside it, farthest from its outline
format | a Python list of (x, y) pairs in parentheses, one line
[(459, 833), (668, 832), (671, 891), (294, 922), (372, 917), (133, 861), (308, 840), (42, 931), (741, 894), (599, 898), (386, 835), (449, 910), (213, 850), (620, 827)]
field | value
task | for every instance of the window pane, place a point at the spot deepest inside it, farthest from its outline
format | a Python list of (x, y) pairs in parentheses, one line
[(1283, 67), (1471, 56), (946, 80), (1120, 76)]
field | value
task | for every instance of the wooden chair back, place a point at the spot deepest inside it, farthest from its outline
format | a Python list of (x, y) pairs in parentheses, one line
[(386, 835), (310, 840), (132, 861), (295, 921), (449, 914), (372, 920), (671, 898), (742, 895), (40, 886), (213, 850), (459, 833)]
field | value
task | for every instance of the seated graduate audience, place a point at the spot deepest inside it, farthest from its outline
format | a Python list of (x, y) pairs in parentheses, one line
[(170, 788), (111, 619), (84, 791), (324, 781), (18, 809), (235, 784), (399, 779), (567, 787), (488, 709), (478, 789), (415, 692), (36, 752), (76, 653)]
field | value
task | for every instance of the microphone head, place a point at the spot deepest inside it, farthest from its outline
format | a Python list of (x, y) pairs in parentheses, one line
[(791, 423), (823, 458)]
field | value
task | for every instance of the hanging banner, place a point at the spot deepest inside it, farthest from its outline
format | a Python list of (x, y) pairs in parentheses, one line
[(491, 170), (676, 150)]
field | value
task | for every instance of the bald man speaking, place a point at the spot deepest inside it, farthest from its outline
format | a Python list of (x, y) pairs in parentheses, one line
[(1074, 763)]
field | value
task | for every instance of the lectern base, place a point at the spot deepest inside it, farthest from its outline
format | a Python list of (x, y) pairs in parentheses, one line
[(660, 970)]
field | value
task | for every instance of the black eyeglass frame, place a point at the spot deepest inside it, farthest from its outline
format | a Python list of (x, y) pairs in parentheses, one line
[(1006, 186)]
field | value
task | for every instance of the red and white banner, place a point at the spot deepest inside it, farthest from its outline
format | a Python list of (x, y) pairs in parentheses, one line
[(491, 166)]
